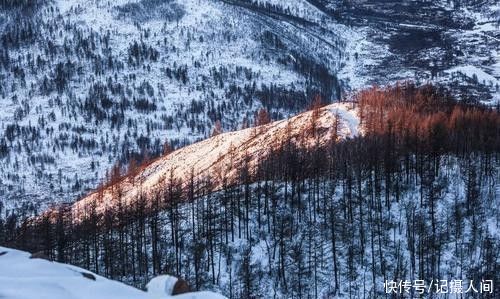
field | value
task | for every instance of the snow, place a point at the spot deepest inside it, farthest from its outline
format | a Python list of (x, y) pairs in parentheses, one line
[(25, 278), (472, 71), (479, 47), (216, 156), (231, 40), (199, 295), (350, 118), (482, 77), (261, 247), (161, 285)]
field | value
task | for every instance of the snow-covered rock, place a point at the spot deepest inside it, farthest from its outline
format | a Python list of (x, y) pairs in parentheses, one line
[(22, 277), (161, 285), (167, 285)]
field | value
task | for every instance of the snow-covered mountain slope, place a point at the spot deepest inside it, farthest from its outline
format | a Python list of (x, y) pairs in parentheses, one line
[(450, 42), (85, 83), (218, 157), (22, 277)]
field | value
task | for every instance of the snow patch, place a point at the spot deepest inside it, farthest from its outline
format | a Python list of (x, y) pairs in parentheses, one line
[(24, 278), (475, 73)]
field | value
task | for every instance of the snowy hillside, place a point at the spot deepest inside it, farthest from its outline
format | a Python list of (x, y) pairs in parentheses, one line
[(218, 156), (22, 277), (426, 41), (87, 83), (297, 209)]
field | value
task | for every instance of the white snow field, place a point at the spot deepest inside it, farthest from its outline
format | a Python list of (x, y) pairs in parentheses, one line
[(22, 277)]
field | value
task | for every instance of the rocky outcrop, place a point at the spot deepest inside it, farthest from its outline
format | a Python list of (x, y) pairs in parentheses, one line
[(167, 285)]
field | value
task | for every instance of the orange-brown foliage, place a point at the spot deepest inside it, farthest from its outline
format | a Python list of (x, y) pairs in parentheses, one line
[(428, 113)]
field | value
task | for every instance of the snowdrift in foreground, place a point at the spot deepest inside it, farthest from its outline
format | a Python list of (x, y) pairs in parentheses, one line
[(24, 278)]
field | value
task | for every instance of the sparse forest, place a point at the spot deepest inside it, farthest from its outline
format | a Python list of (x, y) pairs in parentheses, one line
[(101, 102), (73, 88), (415, 197)]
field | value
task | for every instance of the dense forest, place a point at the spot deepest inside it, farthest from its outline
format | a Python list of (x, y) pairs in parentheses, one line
[(415, 197)]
